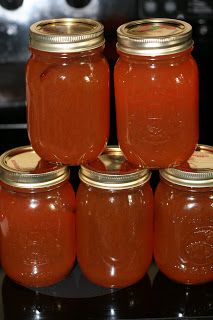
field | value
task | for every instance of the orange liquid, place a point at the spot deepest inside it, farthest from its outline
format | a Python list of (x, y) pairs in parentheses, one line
[(184, 233), (68, 105), (114, 234), (157, 108), (38, 235)]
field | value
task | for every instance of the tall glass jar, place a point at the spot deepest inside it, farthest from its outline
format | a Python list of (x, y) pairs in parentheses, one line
[(156, 91), (37, 206), (67, 82), (183, 246), (114, 220)]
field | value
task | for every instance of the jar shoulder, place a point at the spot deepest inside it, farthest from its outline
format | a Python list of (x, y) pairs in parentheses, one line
[(185, 197), (132, 65), (91, 196), (55, 200), (67, 69)]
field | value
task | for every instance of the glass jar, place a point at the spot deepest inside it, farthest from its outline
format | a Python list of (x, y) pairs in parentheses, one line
[(183, 246), (67, 83), (156, 92), (37, 206), (114, 220)]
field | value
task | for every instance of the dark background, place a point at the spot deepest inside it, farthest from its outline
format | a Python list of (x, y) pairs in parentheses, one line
[(17, 15)]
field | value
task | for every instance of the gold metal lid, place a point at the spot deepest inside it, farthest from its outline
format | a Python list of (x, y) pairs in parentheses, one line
[(112, 171), (196, 172), (66, 35), (154, 37), (23, 168)]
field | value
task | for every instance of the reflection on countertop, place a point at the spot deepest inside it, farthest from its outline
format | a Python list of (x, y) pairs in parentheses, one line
[(154, 297)]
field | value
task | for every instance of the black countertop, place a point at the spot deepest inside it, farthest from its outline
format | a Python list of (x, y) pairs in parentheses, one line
[(154, 297)]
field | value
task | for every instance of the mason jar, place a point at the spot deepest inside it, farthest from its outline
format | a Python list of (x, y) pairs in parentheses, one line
[(183, 246), (114, 220), (67, 90), (37, 206), (156, 92)]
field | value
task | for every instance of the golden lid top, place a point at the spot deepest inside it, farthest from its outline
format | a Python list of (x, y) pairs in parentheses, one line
[(66, 35), (154, 37), (196, 172), (112, 171), (23, 168)]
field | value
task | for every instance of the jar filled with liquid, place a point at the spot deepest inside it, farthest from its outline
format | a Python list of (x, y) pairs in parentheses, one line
[(114, 220), (183, 246), (37, 206), (67, 90), (156, 92)]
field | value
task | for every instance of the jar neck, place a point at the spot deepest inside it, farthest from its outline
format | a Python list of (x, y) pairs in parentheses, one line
[(180, 56), (44, 55), (186, 188), (116, 189), (32, 190)]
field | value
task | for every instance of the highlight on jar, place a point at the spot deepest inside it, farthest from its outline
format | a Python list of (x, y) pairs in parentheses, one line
[(114, 220), (67, 90), (37, 205), (156, 92), (183, 245)]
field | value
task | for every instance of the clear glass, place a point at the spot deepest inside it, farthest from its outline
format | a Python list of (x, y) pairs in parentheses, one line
[(68, 105), (183, 246), (38, 234), (114, 234), (156, 104)]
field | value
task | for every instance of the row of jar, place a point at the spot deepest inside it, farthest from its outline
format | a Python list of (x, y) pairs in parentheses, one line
[(155, 84), (114, 219)]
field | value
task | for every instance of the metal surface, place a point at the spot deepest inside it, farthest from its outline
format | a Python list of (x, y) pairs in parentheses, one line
[(66, 35), (112, 171), (154, 37), (197, 172), (23, 168)]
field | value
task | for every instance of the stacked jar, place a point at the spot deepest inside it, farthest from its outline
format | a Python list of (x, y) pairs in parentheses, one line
[(114, 220), (156, 92), (184, 219), (67, 90), (37, 205)]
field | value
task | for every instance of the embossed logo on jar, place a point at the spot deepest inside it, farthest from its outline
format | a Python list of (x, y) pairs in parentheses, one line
[(197, 247), (152, 129), (156, 116)]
